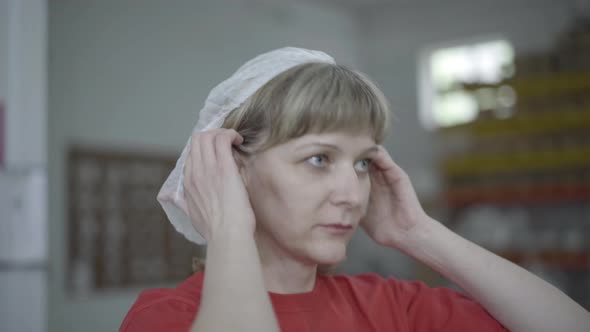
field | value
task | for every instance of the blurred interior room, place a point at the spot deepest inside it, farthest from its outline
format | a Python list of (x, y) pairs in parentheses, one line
[(491, 103)]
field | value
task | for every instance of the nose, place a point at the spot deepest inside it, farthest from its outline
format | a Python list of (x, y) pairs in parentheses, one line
[(348, 188)]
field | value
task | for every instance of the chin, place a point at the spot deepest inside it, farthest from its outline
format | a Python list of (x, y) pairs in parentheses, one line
[(329, 253)]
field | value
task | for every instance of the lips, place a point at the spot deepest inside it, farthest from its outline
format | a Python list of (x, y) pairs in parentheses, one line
[(337, 228)]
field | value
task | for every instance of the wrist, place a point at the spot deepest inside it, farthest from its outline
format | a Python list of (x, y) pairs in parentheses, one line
[(234, 231), (421, 238)]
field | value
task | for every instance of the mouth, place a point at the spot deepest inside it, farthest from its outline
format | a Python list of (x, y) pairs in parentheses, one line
[(337, 228)]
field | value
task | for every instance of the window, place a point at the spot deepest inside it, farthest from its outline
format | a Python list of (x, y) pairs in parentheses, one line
[(456, 83)]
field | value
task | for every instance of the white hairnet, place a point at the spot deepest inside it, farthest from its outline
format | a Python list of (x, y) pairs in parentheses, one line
[(225, 97)]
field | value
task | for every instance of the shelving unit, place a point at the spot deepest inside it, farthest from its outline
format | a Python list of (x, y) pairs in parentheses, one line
[(535, 162)]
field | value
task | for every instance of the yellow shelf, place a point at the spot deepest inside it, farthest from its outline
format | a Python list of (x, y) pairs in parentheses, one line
[(511, 194), (545, 85), (517, 162), (528, 123)]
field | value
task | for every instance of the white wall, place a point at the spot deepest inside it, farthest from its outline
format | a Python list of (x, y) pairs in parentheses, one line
[(23, 217), (4, 41), (135, 73), (26, 89)]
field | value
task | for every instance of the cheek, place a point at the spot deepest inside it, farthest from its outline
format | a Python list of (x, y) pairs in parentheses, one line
[(280, 197), (296, 197)]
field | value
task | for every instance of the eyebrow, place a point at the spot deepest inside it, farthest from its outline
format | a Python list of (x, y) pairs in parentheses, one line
[(335, 147)]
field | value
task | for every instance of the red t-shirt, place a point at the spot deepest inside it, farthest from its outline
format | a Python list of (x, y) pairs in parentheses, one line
[(340, 303)]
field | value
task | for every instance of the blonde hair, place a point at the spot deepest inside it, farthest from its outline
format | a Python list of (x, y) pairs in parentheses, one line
[(308, 98)]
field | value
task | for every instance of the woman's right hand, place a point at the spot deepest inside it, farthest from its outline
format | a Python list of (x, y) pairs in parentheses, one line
[(216, 197)]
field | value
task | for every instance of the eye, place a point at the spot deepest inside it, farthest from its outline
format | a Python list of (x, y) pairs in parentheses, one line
[(319, 160), (363, 165)]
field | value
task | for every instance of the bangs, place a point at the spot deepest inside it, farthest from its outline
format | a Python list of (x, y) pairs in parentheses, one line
[(319, 98), (310, 98)]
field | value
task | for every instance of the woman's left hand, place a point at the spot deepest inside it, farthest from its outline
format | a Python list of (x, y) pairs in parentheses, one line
[(394, 212)]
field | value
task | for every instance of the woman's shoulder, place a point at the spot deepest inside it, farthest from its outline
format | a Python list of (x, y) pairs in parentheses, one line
[(156, 306), (389, 288), (414, 302), (189, 292)]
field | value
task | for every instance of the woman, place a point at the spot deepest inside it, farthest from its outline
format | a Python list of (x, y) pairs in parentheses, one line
[(283, 167)]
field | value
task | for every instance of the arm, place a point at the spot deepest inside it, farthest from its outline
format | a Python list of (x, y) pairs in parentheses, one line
[(233, 297), (516, 298)]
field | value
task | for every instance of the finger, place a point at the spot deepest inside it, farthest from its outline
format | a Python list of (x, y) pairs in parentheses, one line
[(208, 158), (383, 160), (187, 182), (191, 174), (376, 177), (192, 204), (223, 150), (188, 165), (385, 165), (186, 187), (236, 138)]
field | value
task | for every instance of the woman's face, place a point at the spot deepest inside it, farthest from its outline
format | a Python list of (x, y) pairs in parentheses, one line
[(309, 194)]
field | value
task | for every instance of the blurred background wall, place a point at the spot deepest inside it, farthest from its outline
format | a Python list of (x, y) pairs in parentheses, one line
[(131, 76), (135, 73)]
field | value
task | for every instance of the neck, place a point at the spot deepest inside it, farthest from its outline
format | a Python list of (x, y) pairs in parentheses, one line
[(283, 273)]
